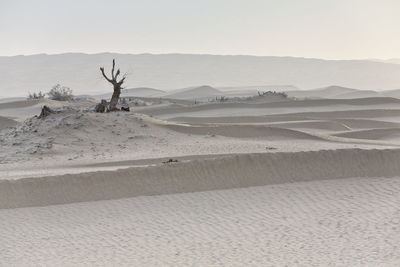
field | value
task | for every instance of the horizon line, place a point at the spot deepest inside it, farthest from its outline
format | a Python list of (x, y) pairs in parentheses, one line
[(379, 60)]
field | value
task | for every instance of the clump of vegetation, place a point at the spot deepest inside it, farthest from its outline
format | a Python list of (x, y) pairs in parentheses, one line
[(170, 161), (221, 99), (39, 95), (60, 93), (272, 93)]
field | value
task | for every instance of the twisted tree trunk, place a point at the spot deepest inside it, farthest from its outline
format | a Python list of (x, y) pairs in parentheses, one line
[(117, 85), (115, 98)]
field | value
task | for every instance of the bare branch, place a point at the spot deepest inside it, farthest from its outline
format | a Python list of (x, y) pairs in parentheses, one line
[(122, 80), (105, 76), (116, 74), (112, 71)]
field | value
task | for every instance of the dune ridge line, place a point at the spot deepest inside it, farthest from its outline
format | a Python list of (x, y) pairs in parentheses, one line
[(236, 171)]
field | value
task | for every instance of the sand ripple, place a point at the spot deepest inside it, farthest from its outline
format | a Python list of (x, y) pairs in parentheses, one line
[(347, 222)]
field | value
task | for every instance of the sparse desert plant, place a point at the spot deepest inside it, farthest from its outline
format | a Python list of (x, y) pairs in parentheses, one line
[(123, 101), (221, 99), (60, 93), (272, 93), (39, 95), (102, 106)]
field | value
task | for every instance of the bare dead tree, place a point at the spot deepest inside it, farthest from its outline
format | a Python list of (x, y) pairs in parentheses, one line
[(117, 85)]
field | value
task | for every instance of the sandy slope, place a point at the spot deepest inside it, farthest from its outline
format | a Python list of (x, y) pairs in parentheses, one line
[(374, 134), (290, 107), (24, 109), (297, 183), (351, 222), (226, 172)]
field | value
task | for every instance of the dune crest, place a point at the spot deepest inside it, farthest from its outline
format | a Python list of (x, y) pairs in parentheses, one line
[(212, 174)]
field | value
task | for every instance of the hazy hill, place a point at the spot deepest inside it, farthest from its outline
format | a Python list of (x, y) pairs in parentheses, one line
[(200, 92), (359, 94), (138, 92), (325, 92), (392, 93), (21, 74), (339, 92), (392, 60)]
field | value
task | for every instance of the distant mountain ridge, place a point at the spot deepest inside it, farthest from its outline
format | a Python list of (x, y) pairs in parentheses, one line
[(193, 93), (171, 71)]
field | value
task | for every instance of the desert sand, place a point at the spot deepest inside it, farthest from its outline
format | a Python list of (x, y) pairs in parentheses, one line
[(311, 182)]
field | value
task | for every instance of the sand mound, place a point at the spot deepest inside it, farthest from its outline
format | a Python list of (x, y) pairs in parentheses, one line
[(317, 125), (326, 92), (365, 124), (239, 119), (11, 99), (19, 104), (340, 116), (200, 175), (73, 131), (243, 131), (345, 114), (335, 92), (287, 107), (373, 134), (22, 110)]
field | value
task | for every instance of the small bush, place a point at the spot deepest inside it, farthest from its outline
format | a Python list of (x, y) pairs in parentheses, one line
[(272, 93), (39, 95), (60, 93), (221, 99)]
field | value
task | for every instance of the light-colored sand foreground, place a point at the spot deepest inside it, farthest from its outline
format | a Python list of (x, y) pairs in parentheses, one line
[(295, 183), (349, 222)]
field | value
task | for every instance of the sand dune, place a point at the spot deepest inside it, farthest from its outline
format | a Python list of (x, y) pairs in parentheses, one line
[(339, 115), (325, 92), (295, 183), (209, 174), (335, 92), (318, 125), (365, 123), (280, 107), (332, 120), (344, 114), (339, 92), (194, 93), (22, 110), (5, 123), (359, 94), (374, 134), (11, 99), (243, 131), (278, 121), (239, 119), (347, 222), (19, 104)]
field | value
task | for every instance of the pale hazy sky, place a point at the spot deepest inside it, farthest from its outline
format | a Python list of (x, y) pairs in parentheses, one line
[(332, 29)]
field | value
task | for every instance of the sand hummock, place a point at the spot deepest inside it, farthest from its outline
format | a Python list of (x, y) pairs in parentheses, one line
[(174, 183)]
